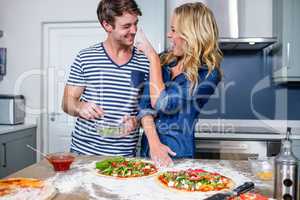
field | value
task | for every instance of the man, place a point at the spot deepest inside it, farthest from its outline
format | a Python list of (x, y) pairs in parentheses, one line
[(104, 83)]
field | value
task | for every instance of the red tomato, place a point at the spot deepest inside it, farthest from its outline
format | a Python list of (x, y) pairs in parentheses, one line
[(113, 164), (194, 178), (250, 196), (196, 170)]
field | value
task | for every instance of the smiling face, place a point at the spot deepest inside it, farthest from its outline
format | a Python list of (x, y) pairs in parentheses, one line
[(124, 29), (176, 40)]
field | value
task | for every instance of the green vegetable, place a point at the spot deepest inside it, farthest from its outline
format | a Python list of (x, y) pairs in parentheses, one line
[(109, 131), (104, 164)]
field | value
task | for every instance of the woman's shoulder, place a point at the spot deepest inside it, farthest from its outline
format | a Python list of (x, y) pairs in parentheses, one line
[(213, 75)]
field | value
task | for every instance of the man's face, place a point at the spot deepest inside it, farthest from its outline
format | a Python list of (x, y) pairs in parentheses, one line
[(125, 29)]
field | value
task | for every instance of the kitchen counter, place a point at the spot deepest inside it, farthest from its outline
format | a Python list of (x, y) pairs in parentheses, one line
[(13, 128), (74, 184)]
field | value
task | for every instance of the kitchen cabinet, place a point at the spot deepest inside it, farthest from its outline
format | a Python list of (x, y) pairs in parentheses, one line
[(286, 59), (14, 155)]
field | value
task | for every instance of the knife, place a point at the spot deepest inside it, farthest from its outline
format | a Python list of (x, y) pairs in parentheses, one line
[(247, 186)]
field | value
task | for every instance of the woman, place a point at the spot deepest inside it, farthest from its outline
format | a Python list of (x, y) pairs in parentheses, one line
[(180, 83)]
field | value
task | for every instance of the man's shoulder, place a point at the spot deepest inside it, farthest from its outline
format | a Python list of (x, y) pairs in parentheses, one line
[(140, 55), (95, 48)]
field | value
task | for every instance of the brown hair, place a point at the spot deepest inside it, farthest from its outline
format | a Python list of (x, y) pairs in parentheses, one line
[(108, 9)]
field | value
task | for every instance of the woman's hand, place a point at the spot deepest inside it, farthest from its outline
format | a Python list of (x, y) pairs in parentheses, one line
[(159, 153), (143, 44)]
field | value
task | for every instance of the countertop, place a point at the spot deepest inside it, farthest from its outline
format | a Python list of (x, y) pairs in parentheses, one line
[(12, 128), (76, 184)]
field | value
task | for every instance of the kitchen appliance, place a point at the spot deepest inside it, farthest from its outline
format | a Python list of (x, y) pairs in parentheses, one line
[(247, 186), (235, 149), (286, 172), (238, 22), (12, 109)]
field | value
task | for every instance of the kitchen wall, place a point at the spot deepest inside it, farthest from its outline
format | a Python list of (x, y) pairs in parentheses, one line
[(21, 22), (247, 90)]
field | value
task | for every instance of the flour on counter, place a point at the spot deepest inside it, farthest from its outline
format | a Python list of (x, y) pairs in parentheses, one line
[(85, 178)]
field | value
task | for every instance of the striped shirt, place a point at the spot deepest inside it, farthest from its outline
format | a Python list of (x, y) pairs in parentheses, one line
[(116, 88)]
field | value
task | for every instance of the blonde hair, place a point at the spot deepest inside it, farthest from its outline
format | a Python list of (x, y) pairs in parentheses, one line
[(196, 25)]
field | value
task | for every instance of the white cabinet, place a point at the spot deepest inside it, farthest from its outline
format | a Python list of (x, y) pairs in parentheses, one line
[(286, 58)]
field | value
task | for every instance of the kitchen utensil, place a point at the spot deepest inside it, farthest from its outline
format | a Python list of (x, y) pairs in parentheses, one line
[(12, 109), (34, 149), (247, 186), (286, 171)]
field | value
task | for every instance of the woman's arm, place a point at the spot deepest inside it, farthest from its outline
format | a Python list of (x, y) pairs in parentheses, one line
[(159, 152), (156, 81)]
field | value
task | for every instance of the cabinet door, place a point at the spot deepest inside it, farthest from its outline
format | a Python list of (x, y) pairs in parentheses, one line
[(286, 25), (14, 153), (294, 58)]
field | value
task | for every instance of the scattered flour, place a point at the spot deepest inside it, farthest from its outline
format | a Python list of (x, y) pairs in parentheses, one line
[(85, 179)]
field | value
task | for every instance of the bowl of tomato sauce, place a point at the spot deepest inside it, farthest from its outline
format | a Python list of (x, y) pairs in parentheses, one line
[(61, 161)]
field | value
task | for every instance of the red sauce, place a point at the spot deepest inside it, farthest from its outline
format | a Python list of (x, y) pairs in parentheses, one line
[(61, 162)]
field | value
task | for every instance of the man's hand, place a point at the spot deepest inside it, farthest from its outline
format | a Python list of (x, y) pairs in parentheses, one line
[(88, 110), (159, 153), (130, 124)]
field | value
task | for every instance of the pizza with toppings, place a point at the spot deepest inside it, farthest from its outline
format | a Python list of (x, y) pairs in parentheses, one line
[(195, 180), (14, 188), (250, 196), (121, 167)]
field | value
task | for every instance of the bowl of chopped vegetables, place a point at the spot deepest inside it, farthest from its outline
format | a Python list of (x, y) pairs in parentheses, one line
[(108, 130)]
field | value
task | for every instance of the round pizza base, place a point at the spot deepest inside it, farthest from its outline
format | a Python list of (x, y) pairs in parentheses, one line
[(49, 193), (172, 189), (132, 177), (126, 178)]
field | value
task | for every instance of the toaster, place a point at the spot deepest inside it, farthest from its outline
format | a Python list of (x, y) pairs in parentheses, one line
[(12, 109)]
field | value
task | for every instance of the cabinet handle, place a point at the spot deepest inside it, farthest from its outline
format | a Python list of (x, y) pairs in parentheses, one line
[(288, 55), (4, 155), (53, 116)]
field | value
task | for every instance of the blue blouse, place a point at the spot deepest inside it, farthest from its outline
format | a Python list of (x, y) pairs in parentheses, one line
[(176, 111)]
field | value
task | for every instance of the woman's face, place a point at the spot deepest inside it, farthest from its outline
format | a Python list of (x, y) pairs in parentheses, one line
[(176, 41)]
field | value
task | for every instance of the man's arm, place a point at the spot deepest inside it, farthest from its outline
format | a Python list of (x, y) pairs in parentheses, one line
[(73, 106)]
